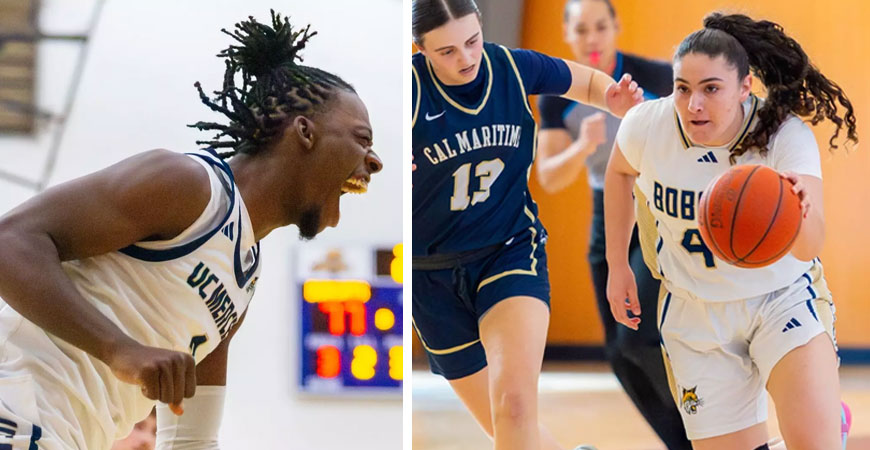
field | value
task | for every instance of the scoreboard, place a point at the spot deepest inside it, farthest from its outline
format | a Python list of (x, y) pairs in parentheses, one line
[(351, 319)]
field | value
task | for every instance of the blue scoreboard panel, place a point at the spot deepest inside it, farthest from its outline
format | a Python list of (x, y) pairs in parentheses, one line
[(351, 320)]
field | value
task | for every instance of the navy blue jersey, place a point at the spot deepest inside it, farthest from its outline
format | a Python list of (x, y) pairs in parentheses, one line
[(474, 152)]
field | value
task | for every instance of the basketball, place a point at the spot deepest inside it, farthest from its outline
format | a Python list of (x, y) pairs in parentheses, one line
[(749, 216)]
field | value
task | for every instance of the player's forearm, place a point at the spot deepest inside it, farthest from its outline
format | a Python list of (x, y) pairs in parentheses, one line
[(33, 283), (811, 237), (557, 171), (618, 215), (588, 85)]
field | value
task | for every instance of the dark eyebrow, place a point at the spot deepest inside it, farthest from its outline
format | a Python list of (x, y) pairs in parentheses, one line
[(448, 46), (705, 80)]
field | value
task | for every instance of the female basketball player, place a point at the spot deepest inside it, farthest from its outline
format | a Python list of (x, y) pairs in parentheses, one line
[(725, 329), (118, 283), (574, 136), (480, 287)]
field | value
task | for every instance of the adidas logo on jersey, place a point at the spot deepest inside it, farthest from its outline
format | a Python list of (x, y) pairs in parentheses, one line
[(228, 231), (793, 323), (709, 157)]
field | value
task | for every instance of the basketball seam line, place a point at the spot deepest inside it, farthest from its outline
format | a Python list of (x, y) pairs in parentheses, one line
[(734, 213), (787, 247), (769, 226)]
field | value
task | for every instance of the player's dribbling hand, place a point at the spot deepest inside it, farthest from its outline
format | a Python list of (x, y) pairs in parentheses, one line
[(800, 189), (622, 296), (620, 97), (164, 375)]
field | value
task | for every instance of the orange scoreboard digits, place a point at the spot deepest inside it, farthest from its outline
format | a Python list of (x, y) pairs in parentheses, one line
[(351, 328)]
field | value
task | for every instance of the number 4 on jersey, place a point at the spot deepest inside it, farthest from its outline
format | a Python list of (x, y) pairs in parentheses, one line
[(693, 243), (486, 171)]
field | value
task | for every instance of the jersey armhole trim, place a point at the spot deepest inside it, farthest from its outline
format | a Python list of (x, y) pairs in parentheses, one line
[(243, 277), (519, 78), (153, 255)]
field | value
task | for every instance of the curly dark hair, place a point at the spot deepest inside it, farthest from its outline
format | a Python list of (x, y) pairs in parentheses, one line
[(794, 84), (275, 88)]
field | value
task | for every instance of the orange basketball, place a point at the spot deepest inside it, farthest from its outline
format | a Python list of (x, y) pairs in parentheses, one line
[(749, 217)]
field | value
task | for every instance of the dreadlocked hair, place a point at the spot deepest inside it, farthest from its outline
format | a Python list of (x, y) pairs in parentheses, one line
[(275, 87), (793, 83)]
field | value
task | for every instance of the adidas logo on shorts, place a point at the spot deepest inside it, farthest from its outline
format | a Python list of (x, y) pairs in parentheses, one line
[(793, 323)]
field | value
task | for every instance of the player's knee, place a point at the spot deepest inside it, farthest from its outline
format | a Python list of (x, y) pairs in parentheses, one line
[(513, 405)]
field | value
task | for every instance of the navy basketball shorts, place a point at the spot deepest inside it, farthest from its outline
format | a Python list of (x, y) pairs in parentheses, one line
[(449, 303)]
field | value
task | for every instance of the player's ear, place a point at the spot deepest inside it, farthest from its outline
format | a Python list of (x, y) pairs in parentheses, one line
[(745, 87), (303, 127)]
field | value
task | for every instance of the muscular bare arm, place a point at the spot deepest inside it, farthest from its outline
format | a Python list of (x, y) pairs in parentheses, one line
[(154, 195)]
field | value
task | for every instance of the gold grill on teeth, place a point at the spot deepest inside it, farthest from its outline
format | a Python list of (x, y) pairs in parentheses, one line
[(355, 186)]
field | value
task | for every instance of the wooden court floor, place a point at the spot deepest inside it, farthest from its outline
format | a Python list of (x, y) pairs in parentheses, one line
[(583, 403)]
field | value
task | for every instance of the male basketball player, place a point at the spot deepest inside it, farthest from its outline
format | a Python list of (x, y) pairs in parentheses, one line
[(124, 287)]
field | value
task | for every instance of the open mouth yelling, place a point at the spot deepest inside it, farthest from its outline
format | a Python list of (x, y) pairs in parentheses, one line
[(355, 185)]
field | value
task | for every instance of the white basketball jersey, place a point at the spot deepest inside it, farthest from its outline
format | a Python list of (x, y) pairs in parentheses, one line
[(184, 294), (673, 173)]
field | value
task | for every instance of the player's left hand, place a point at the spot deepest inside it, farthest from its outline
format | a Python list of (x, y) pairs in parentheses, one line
[(620, 97), (622, 295), (800, 189)]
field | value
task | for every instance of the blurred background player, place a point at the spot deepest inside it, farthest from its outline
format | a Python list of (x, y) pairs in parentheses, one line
[(158, 100), (143, 436), (480, 285), (574, 136), (722, 326)]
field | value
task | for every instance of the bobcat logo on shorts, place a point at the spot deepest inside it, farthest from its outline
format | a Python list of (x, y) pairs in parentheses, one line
[(690, 401)]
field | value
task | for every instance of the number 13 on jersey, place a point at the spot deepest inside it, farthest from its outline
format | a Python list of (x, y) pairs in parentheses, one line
[(485, 171)]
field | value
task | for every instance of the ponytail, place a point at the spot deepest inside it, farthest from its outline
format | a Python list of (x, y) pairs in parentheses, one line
[(793, 83)]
